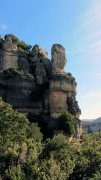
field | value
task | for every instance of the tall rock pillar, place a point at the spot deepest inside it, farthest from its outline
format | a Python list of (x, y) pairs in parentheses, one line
[(62, 87), (58, 83)]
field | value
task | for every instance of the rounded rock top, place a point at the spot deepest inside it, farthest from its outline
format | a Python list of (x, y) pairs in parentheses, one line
[(58, 58)]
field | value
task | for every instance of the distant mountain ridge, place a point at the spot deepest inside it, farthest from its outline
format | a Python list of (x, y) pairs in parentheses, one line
[(91, 120), (87, 120), (92, 124), (97, 120)]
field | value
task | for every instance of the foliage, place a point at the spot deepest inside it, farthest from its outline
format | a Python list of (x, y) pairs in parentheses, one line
[(88, 157), (37, 118), (10, 123), (20, 44), (15, 173), (54, 162), (11, 72), (14, 38), (24, 46), (57, 150), (66, 123), (24, 156), (18, 138)]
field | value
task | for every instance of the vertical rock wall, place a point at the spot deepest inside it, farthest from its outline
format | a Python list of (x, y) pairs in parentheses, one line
[(38, 85), (10, 56)]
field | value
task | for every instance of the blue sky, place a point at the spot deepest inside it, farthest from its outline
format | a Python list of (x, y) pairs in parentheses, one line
[(76, 24)]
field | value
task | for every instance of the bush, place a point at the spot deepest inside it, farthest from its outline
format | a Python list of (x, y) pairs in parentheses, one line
[(14, 38), (20, 44), (66, 124), (20, 142), (24, 46)]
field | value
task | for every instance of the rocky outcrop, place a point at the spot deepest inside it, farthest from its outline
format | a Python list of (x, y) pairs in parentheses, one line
[(31, 82), (23, 62), (58, 58), (62, 89), (9, 54)]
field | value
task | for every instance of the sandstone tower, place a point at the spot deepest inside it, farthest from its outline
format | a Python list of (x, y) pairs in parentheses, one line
[(62, 87)]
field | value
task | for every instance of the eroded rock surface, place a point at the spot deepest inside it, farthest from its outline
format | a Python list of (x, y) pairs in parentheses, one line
[(58, 58), (31, 82), (9, 53)]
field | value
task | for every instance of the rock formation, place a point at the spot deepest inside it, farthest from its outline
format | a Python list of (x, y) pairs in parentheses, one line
[(31, 82), (8, 55), (58, 58)]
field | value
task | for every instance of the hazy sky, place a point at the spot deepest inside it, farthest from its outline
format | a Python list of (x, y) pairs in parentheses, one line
[(76, 24)]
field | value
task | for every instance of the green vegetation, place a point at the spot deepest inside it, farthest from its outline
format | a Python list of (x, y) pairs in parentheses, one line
[(88, 157), (25, 156), (22, 46), (66, 123), (19, 141), (15, 72)]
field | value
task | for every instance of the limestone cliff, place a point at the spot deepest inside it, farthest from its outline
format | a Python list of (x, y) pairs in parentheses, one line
[(31, 82)]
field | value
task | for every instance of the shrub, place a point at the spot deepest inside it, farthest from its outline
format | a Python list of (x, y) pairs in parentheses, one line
[(66, 124)]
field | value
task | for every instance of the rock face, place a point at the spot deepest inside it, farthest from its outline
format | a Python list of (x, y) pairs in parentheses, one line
[(58, 58), (30, 82), (9, 54)]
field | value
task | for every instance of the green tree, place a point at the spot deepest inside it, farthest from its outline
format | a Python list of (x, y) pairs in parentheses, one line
[(66, 124), (15, 173), (18, 139), (56, 160), (88, 157), (24, 156)]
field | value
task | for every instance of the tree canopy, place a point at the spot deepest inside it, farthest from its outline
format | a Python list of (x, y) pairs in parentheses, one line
[(24, 155)]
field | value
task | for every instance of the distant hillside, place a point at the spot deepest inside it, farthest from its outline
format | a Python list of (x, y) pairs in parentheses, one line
[(92, 125), (97, 120), (88, 120)]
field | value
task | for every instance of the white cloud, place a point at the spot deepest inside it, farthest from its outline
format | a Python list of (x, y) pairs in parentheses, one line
[(92, 95), (92, 36), (88, 33), (87, 36), (91, 17), (90, 22), (3, 26), (73, 51)]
